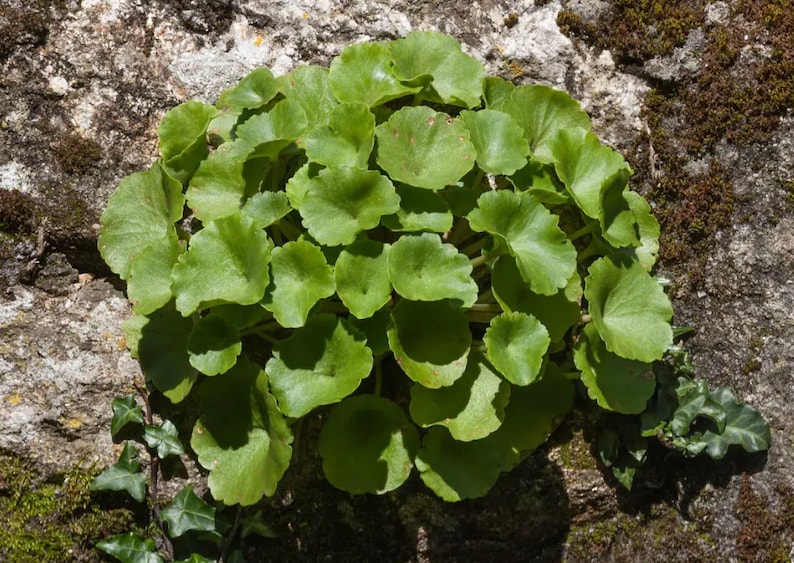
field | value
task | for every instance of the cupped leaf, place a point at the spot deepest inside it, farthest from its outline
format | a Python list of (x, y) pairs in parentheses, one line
[(342, 201), (422, 268), (149, 283), (542, 112), (420, 210), (615, 383), (629, 309), (430, 341), (362, 277), (319, 364), (255, 90), (218, 186), (648, 228), (213, 345), (544, 255), (125, 411), (368, 445), (301, 277), (241, 437), (124, 475), (424, 148), (516, 343), (496, 91), (267, 134), (497, 138), (363, 73), (310, 87), (541, 181), (141, 211), (426, 58), (471, 408), (265, 208), (130, 548), (744, 427), (347, 140), (226, 262), (183, 144), (164, 439), (188, 512)]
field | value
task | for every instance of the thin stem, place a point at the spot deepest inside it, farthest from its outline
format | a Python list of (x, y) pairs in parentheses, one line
[(572, 374), (227, 545), (588, 252), (486, 308), (289, 230), (479, 318), (461, 233), (486, 297), (586, 230), (378, 378), (479, 261), (475, 247), (418, 99)]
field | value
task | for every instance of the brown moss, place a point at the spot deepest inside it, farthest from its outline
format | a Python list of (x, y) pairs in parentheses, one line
[(75, 153), (18, 213), (765, 534)]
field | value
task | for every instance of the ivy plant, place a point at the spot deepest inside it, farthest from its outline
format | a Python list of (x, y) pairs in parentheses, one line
[(433, 258)]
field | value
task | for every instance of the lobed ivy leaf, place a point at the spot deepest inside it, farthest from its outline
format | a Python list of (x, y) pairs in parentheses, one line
[(300, 278), (615, 383), (436, 62), (164, 439), (124, 475), (125, 411), (267, 134), (213, 345), (218, 187), (744, 427), (694, 400), (471, 408), (310, 87), (496, 91), (420, 210), (422, 268), (362, 277), (226, 262), (516, 344), (544, 255), (188, 512), (183, 144), (424, 148), (241, 436), (629, 309), (130, 548), (498, 140), (255, 90), (368, 445), (319, 364), (346, 140), (430, 341), (265, 208), (149, 283)]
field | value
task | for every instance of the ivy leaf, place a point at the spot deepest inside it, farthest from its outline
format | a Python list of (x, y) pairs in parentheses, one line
[(430, 341), (615, 383), (301, 277), (213, 345), (265, 208), (226, 262), (164, 439), (252, 92), (130, 548), (125, 475), (141, 211), (125, 411), (557, 312), (254, 524), (149, 283), (341, 201), (744, 427), (241, 437), (496, 91), (516, 343), (648, 228), (424, 148), (542, 112), (471, 408), (541, 181), (363, 73), (544, 255), (347, 140), (362, 277), (420, 210), (183, 144), (426, 58), (368, 445), (694, 400), (310, 87), (269, 133), (498, 140), (629, 309), (188, 512), (218, 186), (319, 364), (375, 328), (422, 268)]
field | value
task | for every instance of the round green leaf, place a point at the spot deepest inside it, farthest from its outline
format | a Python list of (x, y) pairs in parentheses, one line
[(183, 144), (347, 140), (545, 256), (341, 201), (497, 138), (424, 148), (648, 228), (301, 277), (362, 277), (422, 268), (541, 181), (615, 383), (430, 341), (471, 408), (319, 364), (496, 91), (217, 188), (368, 445), (629, 309), (226, 262), (267, 134), (516, 343), (213, 345), (309, 86), (420, 210), (252, 92), (266, 208), (149, 283)]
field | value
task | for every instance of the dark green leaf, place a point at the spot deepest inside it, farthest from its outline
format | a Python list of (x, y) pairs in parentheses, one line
[(125, 411), (130, 548), (125, 475), (149, 284), (744, 427), (498, 140), (347, 140), (420, 210), (375, 328), (362, 277), (213, 345), (164, 439), (188, 512), (516, 344)]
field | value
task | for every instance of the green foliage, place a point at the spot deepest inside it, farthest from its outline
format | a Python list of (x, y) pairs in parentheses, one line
[(397, 214)]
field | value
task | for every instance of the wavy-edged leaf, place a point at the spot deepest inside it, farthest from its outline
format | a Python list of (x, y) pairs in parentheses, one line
[(310, 87), (255, 90), (149, 283), (368, 445), (424, 148), (471, 408), (430, 341), (497, 138), (241, 437), (420, 210), (183, 143), (496, 91), (213, 345), (422, 268), (130, 548), (267, 134), (125, 411), (615, 383), (319, 364), (226, 262), (218, 186), (744, 427), (362, 277), (124, 475), (164, 439), (347, 140), (544, 255), (266, 208), (188, 512), (648, 228), (300, 278), (516, 344), (694, 400), (629, 309), (540, 180)]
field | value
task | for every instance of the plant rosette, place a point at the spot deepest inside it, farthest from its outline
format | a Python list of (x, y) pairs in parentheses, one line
[(432, 255)]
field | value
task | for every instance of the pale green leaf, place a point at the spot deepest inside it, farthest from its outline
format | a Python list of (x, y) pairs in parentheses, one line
[(188, 512), (213, 345), (648, 228), (516, 344), (267, 134), (252, 92), (362, 277), (498, 141), (496, 91), (347, 140), (164, 439), (266, 208), (309, 86), (218, 186), (420, 210), (541, 181), (183, 143), (149, 283)]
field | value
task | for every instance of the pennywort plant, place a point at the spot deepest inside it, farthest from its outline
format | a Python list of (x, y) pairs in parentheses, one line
[(428, 256)]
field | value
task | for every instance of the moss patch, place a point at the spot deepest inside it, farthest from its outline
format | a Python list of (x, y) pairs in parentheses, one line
[(765, 534)]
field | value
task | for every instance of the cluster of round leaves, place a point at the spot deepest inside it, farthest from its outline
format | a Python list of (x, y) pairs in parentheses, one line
[(399, 217)]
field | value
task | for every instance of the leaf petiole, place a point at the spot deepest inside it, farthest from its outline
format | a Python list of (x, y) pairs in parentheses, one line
[(591, 227)]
